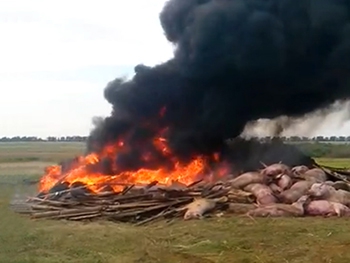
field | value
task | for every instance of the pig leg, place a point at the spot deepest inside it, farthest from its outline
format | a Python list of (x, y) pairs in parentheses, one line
[(265, 200), (275, 188), (331, 214), (199, 216), (338, 211), (249, 216)]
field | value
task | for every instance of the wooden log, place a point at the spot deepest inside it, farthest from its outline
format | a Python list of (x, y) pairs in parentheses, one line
[(104, 194), (150, 185), (149, 209), (45, 214), (127, 189), (132, 197), (54, 203), (217, 194), (97, 203), (84, 217), (194, 184), (81, 214), (45, 207), (78, 210), (66, 212), (109, 214), (131, 205), (120, 215), (155, 217)]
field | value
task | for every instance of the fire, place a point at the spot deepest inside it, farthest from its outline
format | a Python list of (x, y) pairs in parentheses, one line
[(81, 171)]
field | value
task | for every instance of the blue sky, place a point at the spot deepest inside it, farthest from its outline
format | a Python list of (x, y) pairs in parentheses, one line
[(56, 57)]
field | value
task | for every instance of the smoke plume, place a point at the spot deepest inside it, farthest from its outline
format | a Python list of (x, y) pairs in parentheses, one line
[(235, 61), (319, 122)]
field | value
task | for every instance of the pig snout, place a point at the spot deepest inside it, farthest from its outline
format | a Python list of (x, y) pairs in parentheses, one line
[(284, 182), (299, 169), (319, 190)]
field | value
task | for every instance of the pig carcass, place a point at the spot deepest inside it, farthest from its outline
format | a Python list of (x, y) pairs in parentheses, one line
[(263, 193), (200, 206), (296, 191), (326, 208), (326, 192), (276, 169), (315, 174), (249, 178), (297, 170), (295, 209)]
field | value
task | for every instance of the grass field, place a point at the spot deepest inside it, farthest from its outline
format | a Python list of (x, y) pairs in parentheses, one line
[(39, 151), (234, 239), (335, 162)]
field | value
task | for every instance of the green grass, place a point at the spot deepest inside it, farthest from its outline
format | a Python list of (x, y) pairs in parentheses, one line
[(334, 162), (39, 151), (232, 239)]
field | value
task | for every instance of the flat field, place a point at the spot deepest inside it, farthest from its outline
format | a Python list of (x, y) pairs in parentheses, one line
[(335, 162), (13, 152), (234, 239)]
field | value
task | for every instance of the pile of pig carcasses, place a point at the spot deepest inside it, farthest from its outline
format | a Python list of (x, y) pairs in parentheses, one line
[(281, 190)]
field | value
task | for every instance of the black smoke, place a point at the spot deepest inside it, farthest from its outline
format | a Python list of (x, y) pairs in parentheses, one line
[(235, 61)]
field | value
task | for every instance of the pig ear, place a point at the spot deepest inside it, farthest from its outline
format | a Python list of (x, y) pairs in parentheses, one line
[(323, 185), (263, 164)]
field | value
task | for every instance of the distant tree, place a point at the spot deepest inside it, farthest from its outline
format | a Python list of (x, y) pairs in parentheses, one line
[(295, 138), (333, 138)]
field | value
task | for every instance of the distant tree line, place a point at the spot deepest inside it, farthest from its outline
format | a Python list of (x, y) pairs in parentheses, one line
[(331, 147), (84, 138), (313, 139), (48, 139)]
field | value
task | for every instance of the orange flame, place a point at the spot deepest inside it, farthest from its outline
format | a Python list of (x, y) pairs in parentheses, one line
[(95, 181)]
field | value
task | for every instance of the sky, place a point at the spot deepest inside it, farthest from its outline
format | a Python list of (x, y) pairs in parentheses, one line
[(58, 56)]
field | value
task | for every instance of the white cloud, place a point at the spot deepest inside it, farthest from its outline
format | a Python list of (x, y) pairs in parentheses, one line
[(64, 36), (53, 35), (43, 108)]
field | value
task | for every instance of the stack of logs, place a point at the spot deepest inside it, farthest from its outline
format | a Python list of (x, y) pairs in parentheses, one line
[(276, 190)]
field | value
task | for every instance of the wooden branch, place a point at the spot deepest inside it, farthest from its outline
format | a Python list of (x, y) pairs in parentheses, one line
[(139, 205), (127, 189)]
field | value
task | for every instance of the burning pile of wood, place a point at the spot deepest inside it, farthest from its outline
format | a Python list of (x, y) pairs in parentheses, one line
[(276, 190)]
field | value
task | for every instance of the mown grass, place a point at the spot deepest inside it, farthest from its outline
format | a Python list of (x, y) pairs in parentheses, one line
[(17, 152), (232, 239), (334, 162)]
